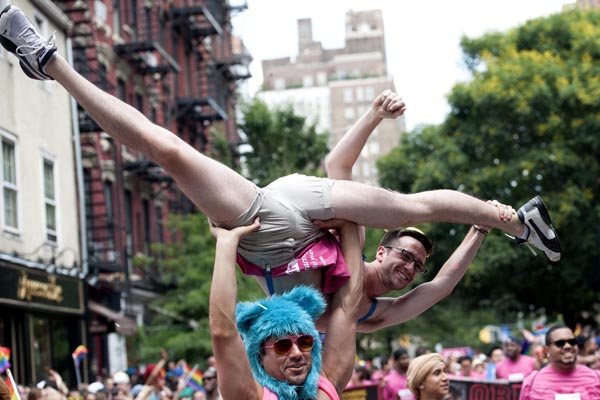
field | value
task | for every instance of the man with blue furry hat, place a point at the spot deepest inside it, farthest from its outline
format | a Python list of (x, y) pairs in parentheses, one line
[(270, 349)]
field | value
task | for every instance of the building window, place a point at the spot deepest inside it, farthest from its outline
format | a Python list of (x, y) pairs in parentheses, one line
[(308, 81), (370, 92), (279, 84), (50, 199), (10, 188), (349, 114), (360, 94), (159, 224), (348, 95), (321, 79)]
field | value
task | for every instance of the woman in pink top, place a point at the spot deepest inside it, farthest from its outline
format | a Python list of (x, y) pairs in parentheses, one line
[(270, 349)]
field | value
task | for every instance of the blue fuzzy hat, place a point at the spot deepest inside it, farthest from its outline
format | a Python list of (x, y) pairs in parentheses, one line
[(291, 313)]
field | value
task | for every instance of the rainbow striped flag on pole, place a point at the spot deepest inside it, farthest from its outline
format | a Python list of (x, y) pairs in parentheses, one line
[(12, 386), (4, 359), (193, 377), (79, 354)]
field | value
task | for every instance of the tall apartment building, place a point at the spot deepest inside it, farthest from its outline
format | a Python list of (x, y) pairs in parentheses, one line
[(334, 87), (178, 63), (42, 307)]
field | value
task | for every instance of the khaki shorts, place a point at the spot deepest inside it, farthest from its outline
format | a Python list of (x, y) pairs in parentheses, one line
[(286, 208)]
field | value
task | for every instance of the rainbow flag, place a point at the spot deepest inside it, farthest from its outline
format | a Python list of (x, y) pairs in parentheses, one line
[(195, 381), (79, 354), (4, 359), (12, 386), (11, 389)]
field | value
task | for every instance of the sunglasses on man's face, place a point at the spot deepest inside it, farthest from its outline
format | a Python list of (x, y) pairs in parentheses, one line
[(561, 343), (284, 345)]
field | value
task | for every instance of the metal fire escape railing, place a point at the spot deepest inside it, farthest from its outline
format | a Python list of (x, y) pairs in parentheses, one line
[(144, 50)]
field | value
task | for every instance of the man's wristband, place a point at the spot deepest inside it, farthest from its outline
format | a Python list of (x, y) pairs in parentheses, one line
[(480, 230)]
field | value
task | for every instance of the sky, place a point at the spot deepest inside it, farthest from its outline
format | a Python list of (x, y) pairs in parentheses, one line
[(422, 39)]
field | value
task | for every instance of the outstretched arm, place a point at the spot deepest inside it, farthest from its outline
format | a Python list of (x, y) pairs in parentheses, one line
[(340, 344), (342, 157), (233, 367), (394, 311)]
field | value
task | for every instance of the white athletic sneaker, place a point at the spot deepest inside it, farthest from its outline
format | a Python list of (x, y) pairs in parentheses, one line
[(541, 232), (19, 36)]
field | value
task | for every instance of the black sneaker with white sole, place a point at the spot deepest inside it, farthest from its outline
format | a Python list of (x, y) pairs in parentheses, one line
[(19, 36), (542, 234)]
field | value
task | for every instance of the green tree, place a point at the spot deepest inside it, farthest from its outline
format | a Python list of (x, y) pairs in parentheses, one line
[(525, 124), (281, 143)]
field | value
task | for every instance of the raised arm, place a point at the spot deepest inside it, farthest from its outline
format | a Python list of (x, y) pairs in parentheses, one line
[(233, 368), (342, 157), (339, 348)]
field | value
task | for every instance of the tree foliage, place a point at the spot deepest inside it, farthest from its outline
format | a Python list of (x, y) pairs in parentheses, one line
[(281, 142), (526, 124)]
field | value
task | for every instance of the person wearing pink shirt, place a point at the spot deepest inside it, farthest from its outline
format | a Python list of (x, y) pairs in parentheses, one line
[(515, 366), (396, 386), (563, 378)]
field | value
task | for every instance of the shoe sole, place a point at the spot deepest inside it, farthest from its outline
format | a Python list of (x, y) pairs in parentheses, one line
[(536, 204)]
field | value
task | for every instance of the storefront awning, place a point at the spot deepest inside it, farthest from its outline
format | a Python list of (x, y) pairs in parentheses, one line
[(125, 325)]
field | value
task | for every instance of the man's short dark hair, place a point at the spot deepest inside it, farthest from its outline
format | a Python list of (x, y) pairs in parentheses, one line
[(416, 233), (399, 352), (552, 329)]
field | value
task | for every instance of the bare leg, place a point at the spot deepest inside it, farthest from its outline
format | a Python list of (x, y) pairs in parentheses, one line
[(221, 193), (380, 208)]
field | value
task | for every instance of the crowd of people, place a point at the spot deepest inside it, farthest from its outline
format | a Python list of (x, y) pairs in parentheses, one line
[(164, 380), (560, 362), (557, 363)]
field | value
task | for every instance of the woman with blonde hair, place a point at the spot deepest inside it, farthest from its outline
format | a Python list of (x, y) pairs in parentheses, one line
[(426, 377)]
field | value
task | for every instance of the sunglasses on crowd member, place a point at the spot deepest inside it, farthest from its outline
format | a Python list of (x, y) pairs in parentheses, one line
[(561, 342), (284, 345), (408, 258)]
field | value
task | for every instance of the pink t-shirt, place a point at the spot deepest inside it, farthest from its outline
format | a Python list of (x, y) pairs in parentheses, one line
[(396, 387), (324, 385), (509, 369), (323, 253), (582, 383)]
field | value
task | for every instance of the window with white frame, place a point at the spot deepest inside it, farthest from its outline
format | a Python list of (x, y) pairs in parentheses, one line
[(279, 84), (308, 81), (348, 95), (49, 175), (10, 189)]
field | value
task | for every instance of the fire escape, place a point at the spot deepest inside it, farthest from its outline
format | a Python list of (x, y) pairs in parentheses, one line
[(145, 52), (206, 100)]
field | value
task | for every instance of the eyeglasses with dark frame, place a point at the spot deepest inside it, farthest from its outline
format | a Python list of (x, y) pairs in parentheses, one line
[(409, 257), (284, 345), (561, 342)]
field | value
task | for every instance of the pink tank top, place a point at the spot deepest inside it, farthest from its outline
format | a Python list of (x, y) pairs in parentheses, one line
[(323, 253), (324, 384)]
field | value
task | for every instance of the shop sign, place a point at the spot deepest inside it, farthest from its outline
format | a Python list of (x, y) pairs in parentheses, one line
[(37, 289)]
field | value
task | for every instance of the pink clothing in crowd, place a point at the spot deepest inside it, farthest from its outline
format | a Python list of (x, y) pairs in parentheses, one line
[(396, 382), (582, 383), (507, 367), (324, 385)]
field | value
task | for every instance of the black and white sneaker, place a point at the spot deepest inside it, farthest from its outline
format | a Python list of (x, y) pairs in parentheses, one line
[(19, 36), (541, 232)]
